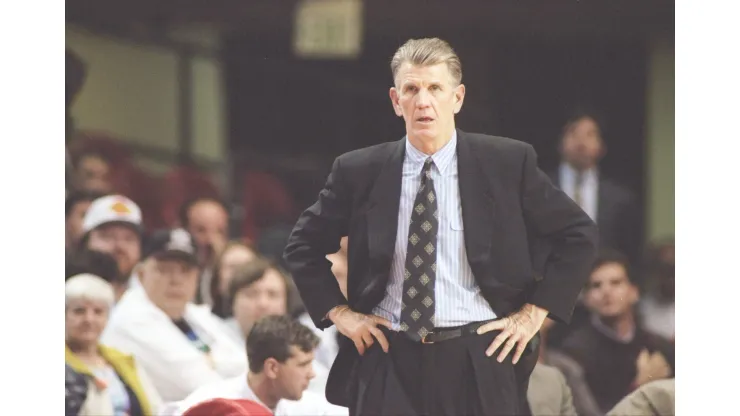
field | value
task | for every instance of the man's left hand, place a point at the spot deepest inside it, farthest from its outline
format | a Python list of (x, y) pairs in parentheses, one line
[(516, 329)]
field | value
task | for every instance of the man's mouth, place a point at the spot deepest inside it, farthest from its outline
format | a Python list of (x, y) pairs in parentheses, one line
[(425, 119)]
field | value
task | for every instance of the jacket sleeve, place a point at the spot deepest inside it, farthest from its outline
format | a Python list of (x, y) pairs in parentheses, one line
[(570, 235), (315, 235)]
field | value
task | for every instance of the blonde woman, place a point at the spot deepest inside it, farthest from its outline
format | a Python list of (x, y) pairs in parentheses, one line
[(101, 380)]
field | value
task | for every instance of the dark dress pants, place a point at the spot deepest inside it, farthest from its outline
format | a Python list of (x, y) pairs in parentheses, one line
[(450, 378)]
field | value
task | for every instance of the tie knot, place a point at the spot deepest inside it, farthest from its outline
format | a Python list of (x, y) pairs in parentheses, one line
[(580, 176), (427, 171)]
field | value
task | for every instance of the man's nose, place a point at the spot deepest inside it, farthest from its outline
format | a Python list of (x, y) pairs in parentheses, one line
[(423, 99), (119, 247), (262, 304)]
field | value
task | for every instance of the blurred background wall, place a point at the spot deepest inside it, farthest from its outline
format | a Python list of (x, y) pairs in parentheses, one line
[(286, 86)]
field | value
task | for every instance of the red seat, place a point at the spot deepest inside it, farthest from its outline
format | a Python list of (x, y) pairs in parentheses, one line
[(266, 202), (182, 184), (146, 190)]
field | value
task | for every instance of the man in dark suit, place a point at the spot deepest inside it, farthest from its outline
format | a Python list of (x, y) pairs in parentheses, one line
[(612, 206), (457, 245)]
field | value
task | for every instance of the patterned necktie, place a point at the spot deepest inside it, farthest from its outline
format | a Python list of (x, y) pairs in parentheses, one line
[(417, 308)]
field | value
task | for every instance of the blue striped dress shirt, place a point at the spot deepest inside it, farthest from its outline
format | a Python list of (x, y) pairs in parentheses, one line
[(458, 297)]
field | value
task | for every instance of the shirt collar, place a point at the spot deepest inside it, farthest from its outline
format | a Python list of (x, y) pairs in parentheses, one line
[(610, 333), (568, 173), (249, 394), (442, 158)]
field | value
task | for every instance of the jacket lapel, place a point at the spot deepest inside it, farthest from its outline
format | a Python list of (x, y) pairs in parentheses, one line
[(382, 216), (382, 221), (477, 203)]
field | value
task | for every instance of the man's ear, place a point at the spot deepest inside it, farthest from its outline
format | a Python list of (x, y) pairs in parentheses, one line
[(394, 101), (459, 97), (271, 368)]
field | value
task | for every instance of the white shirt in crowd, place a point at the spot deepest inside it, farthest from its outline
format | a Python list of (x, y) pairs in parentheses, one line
[(174, 364), (237, 388)]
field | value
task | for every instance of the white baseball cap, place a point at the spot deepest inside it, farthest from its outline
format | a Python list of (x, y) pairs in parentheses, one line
[(111, 209)]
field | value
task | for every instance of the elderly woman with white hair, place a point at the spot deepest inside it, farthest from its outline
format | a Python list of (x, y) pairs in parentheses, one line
[(100, 380)]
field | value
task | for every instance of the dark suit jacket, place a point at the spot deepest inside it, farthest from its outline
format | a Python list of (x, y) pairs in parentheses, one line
[(526, 241), (618, 218)]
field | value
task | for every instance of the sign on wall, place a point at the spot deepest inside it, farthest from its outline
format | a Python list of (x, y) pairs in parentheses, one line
[(328, 29)]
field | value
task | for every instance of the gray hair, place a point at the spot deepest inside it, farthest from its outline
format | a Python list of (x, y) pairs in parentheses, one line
[(89, 287), (427, 52)]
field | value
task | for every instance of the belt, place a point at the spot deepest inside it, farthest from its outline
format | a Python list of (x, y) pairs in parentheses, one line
[(446, 334)]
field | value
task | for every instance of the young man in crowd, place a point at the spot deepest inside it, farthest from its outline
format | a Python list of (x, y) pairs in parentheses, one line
[(260, 289), (181, 346), (281, 354), (617, 355)]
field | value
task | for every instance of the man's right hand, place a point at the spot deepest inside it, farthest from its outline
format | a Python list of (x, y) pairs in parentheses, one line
[(360, 328), (651, 367)]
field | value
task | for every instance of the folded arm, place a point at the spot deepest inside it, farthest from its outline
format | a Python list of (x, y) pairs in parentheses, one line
[(571, 235), (317, 234)]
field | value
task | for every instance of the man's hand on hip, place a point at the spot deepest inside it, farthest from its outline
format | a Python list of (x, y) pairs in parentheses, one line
[(516, 329), (360, 328)]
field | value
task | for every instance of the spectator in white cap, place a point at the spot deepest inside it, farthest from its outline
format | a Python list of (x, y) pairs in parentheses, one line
[(113, 225), (182, 346)]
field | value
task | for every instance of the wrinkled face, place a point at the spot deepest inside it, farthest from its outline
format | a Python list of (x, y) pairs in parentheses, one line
[(74, 223), (85, 321), (427, 97), (582, 146), (234, 257), (170, 283), (610, 293), (93, 174), (265, 297), (291, 378), (208, 224), (120, 241)]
